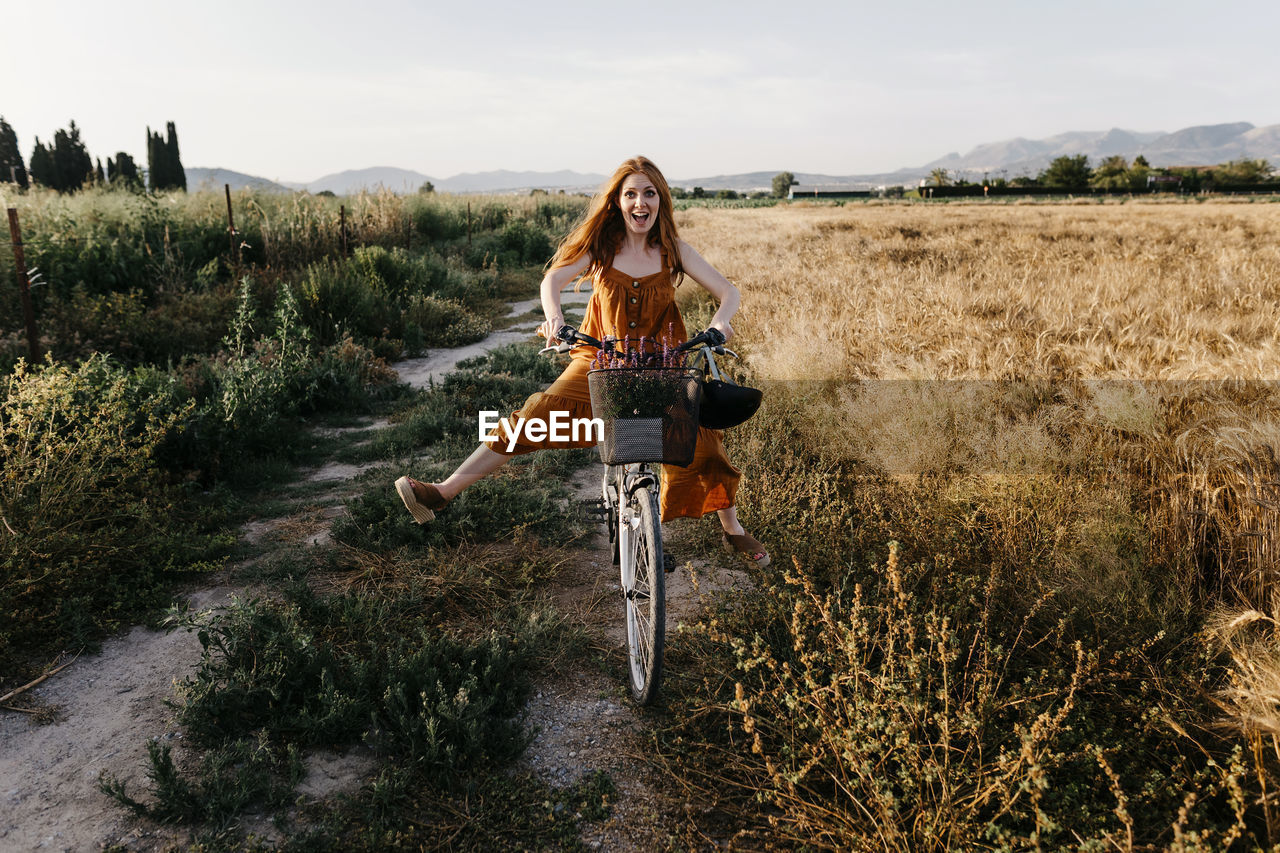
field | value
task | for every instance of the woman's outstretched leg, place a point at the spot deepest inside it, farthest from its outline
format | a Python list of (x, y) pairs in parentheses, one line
[(423, 499), (481, 463), (729, 521), (738, 540)]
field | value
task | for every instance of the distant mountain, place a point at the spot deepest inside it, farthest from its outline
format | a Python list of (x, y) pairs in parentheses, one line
[(503, 180), (1203, 145), (378, 177), (750, 181), (407, 181), (215, 179), (1034, 154)]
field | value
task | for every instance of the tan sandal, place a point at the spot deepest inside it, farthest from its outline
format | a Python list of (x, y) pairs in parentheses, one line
[(421, 499), (746, 547)]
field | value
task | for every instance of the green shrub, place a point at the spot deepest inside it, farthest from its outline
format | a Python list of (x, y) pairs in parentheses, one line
[(134, 328), (333, 671), (433, 322), (88, 526), (318, 670), (518, 360), (435, 221), (231, 777), (336, 304), (258, 384), (346, 377)]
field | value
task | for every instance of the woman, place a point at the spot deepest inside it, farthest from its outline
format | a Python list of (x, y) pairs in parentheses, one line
[(627, 246)]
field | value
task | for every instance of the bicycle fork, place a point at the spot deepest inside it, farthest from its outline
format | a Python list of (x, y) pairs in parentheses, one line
[(617, 494)]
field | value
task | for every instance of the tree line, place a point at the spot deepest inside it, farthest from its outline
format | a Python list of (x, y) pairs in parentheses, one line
[(1073, 172), (65, 165)]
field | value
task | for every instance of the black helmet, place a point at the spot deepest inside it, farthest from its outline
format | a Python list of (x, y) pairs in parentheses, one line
[(726, 405)]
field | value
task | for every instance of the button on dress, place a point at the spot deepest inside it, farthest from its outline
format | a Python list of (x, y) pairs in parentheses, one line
[(624, 305)]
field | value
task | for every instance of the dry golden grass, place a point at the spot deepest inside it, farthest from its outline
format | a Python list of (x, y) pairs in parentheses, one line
[(1103, 313), (1132, 291), (1144, 414)]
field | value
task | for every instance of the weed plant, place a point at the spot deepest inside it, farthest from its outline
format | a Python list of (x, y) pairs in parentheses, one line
[(97, 485), (1011, 677), (89, 529), (418, 642)]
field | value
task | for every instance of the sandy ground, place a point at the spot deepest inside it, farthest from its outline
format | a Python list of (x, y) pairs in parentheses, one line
[(107, 706)]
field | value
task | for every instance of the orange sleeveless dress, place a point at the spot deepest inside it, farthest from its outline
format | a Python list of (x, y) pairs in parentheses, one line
[(623, 305)]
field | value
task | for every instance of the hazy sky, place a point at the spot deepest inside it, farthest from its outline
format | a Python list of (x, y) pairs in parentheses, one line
[(295, 90)]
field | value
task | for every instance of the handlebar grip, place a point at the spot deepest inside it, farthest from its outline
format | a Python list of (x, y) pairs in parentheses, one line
[(712, 337), (570, 335)]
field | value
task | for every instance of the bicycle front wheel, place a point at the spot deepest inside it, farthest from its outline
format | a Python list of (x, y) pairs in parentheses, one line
[(643, 587)]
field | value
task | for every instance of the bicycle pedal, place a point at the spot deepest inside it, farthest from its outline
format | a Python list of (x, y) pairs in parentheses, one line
[(668, 563), (596, 511)]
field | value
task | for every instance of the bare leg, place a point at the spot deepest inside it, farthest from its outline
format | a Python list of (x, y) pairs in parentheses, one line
[(747, 547), (729, 521), (480, 464)]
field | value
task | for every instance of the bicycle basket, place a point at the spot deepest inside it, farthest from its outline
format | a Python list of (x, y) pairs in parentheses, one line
[(650, 414)]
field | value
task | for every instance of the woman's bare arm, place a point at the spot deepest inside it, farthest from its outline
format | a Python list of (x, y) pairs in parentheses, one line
[(698, 269), (556, 280)]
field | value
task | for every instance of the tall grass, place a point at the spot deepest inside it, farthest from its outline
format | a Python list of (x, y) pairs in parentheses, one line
[(1134, 291), (152, 278), (1065, 416)]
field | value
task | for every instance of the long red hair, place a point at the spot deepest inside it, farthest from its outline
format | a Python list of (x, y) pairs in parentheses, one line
[(601, 229)]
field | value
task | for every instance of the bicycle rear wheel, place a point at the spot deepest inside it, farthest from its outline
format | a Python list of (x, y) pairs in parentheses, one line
[(643, 586)]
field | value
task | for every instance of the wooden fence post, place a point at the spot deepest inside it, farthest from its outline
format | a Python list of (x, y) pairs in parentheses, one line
[(231, 236), (24, 284)]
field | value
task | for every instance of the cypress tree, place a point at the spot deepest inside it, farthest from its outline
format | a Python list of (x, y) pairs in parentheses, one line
[(44, 171), (164, 162), (98, 175), (12, 168), (155, 162), (122, 170), (177, 174), (73, 165), (61, 151)]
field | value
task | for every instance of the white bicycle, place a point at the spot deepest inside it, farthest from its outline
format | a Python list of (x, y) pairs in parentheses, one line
[(628, 507)]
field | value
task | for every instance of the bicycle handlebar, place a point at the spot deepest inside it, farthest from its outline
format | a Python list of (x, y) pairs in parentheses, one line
[(570, 337)]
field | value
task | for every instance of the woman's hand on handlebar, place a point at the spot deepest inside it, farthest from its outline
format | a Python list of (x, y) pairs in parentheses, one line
[(723, 327), (568, 337), (550, 326), (711, 336)]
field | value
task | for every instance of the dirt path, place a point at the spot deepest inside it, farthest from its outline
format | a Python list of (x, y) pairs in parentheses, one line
[(584, 720), (110, 704)]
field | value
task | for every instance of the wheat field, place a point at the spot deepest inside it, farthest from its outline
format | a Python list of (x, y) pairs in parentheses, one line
[(1144, 334), (987, 291), (1075, 403)]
